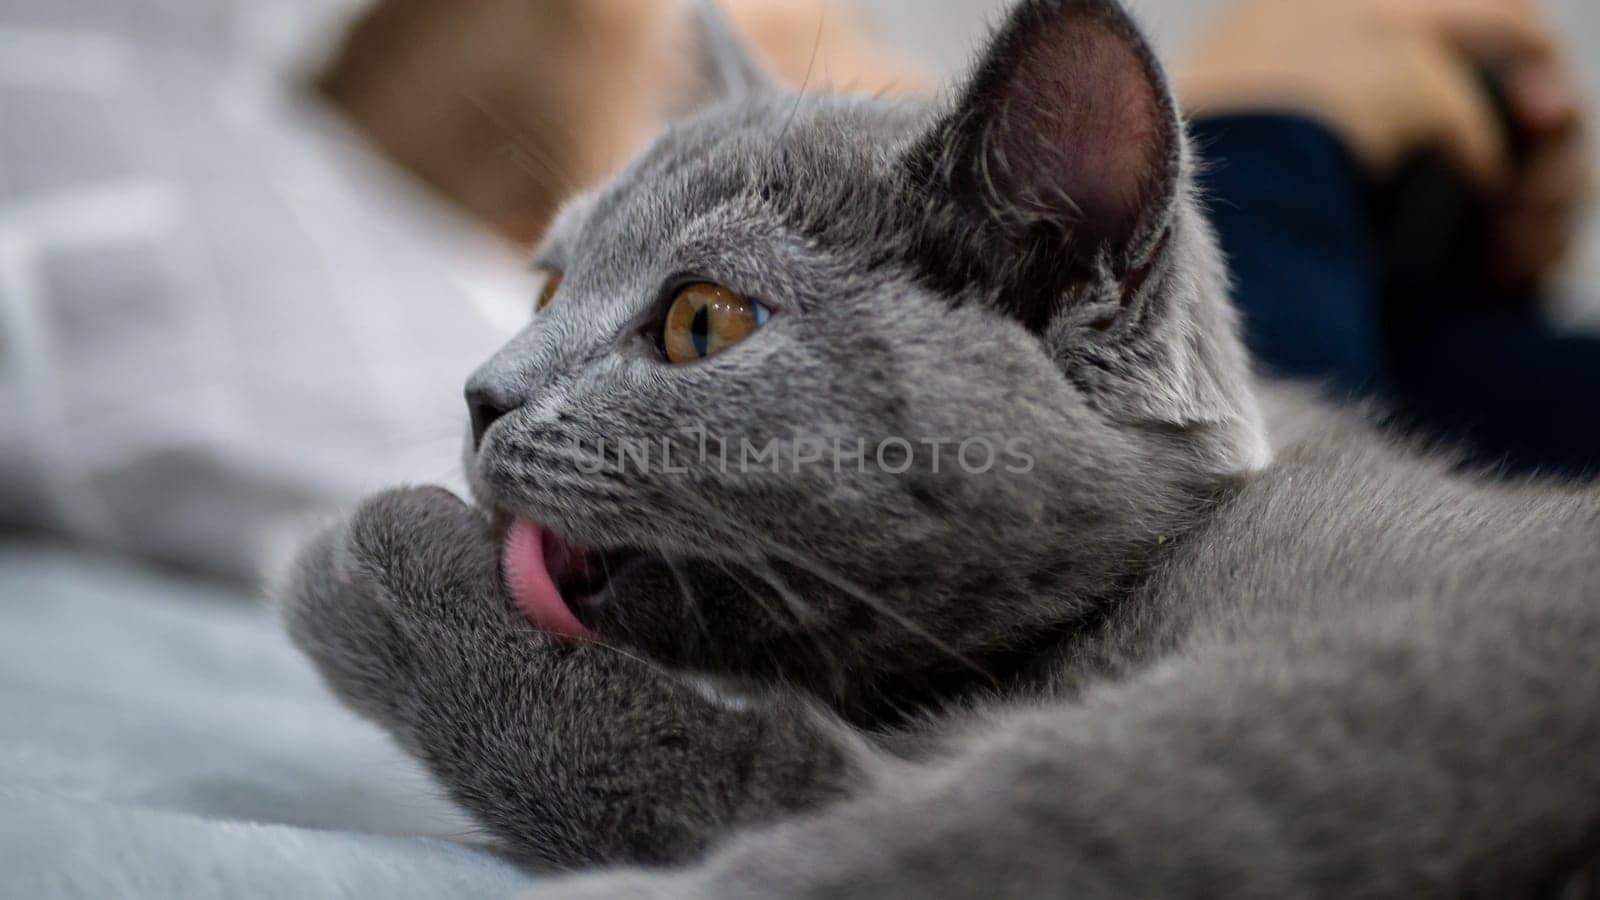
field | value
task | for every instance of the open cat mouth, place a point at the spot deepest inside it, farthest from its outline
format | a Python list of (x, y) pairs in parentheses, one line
[(549, 578)]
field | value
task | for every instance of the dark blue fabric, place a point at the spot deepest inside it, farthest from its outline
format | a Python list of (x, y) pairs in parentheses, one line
[(1288, 204), (1291, 208)]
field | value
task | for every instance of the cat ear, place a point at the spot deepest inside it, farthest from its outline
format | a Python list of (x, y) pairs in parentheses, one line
[(727, 68), (1064, 148)]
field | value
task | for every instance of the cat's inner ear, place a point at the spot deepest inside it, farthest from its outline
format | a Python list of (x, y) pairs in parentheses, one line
[(1065, 139), (726, 67)]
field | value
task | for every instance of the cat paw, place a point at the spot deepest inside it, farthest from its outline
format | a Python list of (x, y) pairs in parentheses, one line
[(433, 557), (408, 581)]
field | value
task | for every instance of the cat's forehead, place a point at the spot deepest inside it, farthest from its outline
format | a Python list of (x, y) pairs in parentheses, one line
[(782, 153)]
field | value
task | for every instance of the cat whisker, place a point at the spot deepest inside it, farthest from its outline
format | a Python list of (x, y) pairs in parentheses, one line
[(805, 82), (544, 169), (645, 661), (879, 606), (690, 602), (802, 612), (861, 594), (760, 601)]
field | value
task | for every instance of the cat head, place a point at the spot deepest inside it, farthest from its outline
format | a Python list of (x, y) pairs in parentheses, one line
[(832, 385)]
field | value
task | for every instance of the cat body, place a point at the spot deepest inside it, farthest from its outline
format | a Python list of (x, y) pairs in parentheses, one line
[(1212, 638)]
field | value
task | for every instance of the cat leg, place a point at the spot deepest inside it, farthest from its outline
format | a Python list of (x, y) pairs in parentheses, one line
[(1409, 754), (571, 753)]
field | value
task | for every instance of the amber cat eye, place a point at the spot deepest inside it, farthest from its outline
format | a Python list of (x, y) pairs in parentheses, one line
[(706, 318), (547, 291)]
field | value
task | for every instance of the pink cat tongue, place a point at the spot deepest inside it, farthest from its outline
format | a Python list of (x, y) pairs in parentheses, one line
[(527, 575)]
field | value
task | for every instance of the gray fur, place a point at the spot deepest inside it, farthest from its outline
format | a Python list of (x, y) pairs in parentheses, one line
[(1162, 662)]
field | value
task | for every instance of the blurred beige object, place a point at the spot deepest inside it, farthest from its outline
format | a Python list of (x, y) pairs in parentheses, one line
[(508, 106), (1385, 74), (1392, 77)]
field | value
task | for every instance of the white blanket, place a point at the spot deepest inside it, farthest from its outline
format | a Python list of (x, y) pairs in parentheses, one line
[(160, 738), (219, 314)]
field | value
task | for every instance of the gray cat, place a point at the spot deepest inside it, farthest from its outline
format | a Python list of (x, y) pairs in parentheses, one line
[(1189, 635)]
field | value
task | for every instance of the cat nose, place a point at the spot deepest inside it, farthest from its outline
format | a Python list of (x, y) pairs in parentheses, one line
[(486, 405)]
